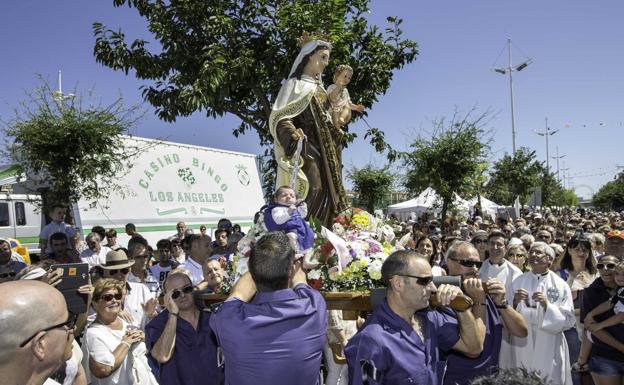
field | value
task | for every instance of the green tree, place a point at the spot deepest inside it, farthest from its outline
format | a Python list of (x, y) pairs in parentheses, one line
[(514, 176), (569, 198), (222, 56), (373, 186), (553, 193), (68, 148), (610, 196), (450, 161)]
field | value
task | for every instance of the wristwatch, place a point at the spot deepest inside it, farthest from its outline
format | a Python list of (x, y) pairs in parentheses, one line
[(503, 305)]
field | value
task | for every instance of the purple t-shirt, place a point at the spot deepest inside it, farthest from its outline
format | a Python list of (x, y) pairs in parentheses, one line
[(277, 338), (388, 351), (461, 369), (194, 359)]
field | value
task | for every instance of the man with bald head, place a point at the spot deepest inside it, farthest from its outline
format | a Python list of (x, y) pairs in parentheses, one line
[(33, 344)]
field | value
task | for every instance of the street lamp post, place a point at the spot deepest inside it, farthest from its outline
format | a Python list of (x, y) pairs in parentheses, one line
[(558, 157), (547, 133), (510, 69)]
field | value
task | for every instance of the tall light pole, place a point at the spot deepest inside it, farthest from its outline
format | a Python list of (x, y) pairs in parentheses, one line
[(547, 133), (59, 95), (558, 157), (510, 69), (564, 169)]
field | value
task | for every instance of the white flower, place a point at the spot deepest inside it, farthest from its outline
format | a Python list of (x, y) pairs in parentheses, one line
[(314, 274), (374, 268)]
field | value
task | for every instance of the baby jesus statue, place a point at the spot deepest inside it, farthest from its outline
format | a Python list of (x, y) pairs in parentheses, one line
[(339, 99)]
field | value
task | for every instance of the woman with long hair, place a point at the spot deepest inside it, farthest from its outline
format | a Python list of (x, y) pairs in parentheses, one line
[(578, 269), (427, 247)]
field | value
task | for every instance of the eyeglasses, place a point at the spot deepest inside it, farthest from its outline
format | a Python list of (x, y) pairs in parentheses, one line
[(122, 271), (467, 263), (109, 297), (605, 266), (516, 256), (423, 281), (69, 324), (178, 292), (9, 274)]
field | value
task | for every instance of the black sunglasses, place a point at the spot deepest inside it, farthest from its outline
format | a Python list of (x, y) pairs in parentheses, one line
[(424, 281), (69, 324), (477, 241), (605, 266), (109, 297), (467, 263), (123, 271), (178, 292), (9, 274)]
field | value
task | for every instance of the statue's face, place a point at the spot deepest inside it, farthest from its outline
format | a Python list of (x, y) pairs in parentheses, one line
[(317, 63)]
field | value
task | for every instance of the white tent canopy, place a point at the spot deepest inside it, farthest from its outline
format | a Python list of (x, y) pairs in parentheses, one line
[(487, 206), (427, 200)]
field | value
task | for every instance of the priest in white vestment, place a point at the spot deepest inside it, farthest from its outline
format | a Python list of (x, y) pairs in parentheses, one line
[(496, 266), (545, 301)]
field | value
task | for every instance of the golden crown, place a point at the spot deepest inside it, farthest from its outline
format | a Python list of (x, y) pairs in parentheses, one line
[(308, 37)]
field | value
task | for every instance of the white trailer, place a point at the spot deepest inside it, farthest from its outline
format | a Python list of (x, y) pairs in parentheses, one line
[(170, 182)]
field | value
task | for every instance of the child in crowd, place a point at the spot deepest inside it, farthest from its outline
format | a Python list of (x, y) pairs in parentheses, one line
[(58, 225), (339, 98), (288, 214), (617, 304)]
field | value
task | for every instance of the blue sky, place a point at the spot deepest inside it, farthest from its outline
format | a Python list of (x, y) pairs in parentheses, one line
[(576, 78)]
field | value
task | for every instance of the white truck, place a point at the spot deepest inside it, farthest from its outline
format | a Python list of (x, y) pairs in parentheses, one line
[(166, 183)]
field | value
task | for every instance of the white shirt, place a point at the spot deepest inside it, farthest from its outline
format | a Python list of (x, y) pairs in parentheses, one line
[(507, 272), (100, 342), (197, 274), (54, 227), (160, 273), (136, 297), (93, 259), (150, 281)]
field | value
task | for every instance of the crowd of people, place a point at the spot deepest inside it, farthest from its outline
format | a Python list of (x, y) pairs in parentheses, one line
[(542, 294)]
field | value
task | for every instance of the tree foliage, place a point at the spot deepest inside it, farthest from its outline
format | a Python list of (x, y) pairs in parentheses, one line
[(67, 149), (450, 161), (372, 185), (222, 56), (514, 176), (610, 196)]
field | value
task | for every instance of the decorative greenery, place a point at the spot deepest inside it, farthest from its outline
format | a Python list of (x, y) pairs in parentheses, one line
[(514, 176), (69, 148), (451, 160), (372, 185), (610, 196), (222, 56)]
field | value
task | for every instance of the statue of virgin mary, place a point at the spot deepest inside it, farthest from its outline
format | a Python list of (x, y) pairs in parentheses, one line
[(301, 112)]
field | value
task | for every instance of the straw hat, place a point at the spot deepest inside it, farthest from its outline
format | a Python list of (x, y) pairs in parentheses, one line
[(116, 260)]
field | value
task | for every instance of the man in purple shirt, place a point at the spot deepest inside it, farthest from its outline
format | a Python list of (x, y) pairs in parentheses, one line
[(180, 338), (400, 343), (272, 327), (492, 308)]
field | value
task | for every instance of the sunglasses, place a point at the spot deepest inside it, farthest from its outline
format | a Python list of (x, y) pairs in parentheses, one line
[(109, 297), (69, 325), (605, 266), (467, 263), (178, 292), (423, 281), (9, 274), (122, 271), (477, 241)]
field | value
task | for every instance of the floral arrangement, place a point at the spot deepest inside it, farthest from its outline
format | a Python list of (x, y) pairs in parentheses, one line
[(351, 255)]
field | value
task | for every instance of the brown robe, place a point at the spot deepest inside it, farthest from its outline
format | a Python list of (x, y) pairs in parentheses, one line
[(322, 160)]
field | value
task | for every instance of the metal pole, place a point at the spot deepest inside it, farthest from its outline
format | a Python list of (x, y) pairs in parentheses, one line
[(513, 122), (547, 156)]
